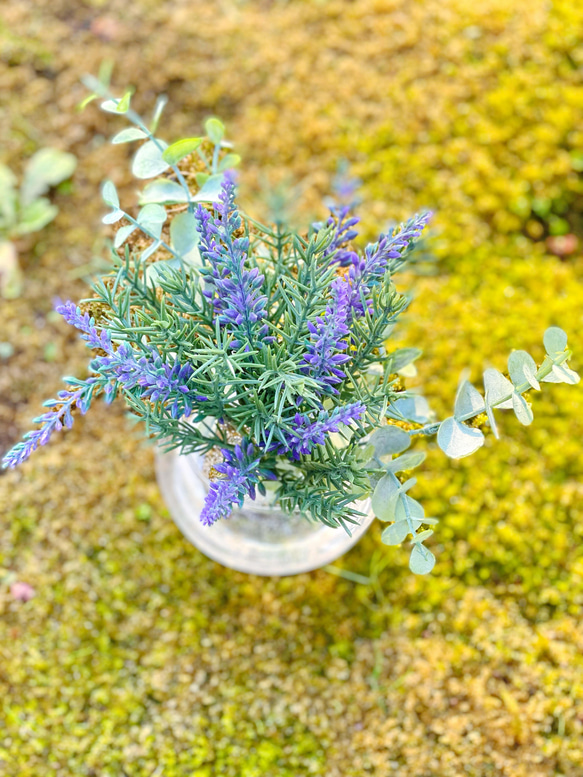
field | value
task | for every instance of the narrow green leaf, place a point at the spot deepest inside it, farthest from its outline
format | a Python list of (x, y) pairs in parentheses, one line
[(109, 194), (228, 162)]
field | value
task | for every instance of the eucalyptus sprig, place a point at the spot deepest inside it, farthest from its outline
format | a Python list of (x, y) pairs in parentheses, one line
[(269, 346)]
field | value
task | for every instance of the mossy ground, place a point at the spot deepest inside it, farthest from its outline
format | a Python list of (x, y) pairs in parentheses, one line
[(139, 657)]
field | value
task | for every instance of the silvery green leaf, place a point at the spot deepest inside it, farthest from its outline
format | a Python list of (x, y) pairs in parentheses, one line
[(161, 103), (411, 408), (386, 495), (422, 560), (129, 134), (405, 462), (491, 419), (423, 535), (415, 508), (395, 533), (182, 148), (522, 367), (389, 440), (555, 341), (122, 235), (8, 198), (561, 374), (152, 248), (457, 440), (117, 105), (382, 501), (115, 215), (183, 234), (152, 217), (468, 402), (497, 387), (522, 409), (109, 194), (228, 162), (148, 161), (210, 191), (215, 130), (164, 192), (35, 216), (48, 167), (403, 357)]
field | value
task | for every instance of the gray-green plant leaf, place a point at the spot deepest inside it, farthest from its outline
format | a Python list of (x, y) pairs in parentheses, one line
[(152, 217), (228, 162), (215, 130), (411, 408), (491, 419), (406, 462), (522, 409), (560, 373), (468, 402), (389, 440), (48, 167), (555, 341), (183, 234), (109, 194), (129, 134), (148, 161), (395, 533), (422, 560), (457, 440), (522, 367), (35, 216), (415, 508), (210, 191), (115, 215), (498, 387), (386, 495), (164, 192), (122, 235)]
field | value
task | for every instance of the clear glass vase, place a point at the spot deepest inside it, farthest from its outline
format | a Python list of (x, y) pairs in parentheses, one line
[(259, 538)]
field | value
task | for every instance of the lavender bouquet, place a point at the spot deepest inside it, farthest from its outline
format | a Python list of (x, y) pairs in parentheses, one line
[(224, 334)]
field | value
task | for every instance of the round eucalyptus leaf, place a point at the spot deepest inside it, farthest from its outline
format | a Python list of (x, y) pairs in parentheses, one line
[(148, 161), (555, 340), (183, 234), (389, 440), (164, 192), (522, 409), (395, 533), (498, 387), (468, 402), (522, 368), (422, 560), (405, 462), (457, 440)]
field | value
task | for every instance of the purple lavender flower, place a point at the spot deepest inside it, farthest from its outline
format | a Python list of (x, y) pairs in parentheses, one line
[(307, 434), (242, 473), (343, 232), (368, 270), (324, 349), (159, 380), (59, 415), (234, 290)]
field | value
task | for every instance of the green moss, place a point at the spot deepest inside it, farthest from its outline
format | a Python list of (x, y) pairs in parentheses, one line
[(139, 656)]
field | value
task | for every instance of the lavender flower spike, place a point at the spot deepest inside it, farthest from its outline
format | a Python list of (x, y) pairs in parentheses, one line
[(323, 355), (59, 415), (242, 472), (234, 290), (306, 435)]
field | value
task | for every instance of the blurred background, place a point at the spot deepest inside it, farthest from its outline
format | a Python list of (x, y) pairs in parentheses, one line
[(122, 650)]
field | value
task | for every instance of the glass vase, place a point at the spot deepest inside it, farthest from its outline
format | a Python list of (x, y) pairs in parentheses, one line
[(258, 538)]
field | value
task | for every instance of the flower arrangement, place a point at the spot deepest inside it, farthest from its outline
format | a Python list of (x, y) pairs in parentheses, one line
[(273, 347)]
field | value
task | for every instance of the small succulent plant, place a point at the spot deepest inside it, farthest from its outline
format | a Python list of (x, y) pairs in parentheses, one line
[(25, 209)]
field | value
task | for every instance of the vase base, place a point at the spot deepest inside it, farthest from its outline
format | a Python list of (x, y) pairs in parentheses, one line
[(257, 539)]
